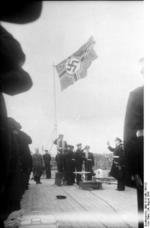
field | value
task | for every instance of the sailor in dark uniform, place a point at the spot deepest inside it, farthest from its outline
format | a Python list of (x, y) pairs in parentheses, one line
[(61, 147), (37, 163), (69, 165), (88, 162), (118, 166), (79, 159), (72, 164), (47, 160)]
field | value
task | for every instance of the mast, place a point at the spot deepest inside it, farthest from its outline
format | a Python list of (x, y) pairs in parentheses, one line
[(55, 101)]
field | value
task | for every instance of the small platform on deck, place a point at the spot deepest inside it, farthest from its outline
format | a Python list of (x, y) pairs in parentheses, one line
[(103, 208)]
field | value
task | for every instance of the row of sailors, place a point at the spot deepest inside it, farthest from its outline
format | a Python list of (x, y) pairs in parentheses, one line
[(70, 161)]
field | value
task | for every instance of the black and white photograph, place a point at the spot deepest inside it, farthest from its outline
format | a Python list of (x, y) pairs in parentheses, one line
[(72, 115)]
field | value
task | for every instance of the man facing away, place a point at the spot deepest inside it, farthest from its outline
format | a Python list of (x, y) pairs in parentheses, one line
[(37, 164), (47, 160)]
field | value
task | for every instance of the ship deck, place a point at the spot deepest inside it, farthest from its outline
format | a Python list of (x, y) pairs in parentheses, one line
[(105, 207)]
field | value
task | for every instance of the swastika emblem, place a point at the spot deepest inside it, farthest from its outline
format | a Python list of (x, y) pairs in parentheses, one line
[(72, 65)]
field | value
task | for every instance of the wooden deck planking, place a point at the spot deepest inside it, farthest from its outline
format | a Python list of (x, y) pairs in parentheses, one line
[(77, 205), (80, 203), (94, 204), (60, 207)]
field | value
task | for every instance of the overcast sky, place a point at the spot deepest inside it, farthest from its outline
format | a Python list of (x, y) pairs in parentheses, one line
[(92, 110)]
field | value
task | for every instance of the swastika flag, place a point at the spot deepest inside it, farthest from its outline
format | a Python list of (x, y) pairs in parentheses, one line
[(75, 66)]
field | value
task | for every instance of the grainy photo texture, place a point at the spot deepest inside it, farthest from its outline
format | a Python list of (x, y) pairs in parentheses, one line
[(71, 119)]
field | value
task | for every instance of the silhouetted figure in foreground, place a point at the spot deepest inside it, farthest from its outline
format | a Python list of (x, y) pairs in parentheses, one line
[(19, 169), (13, 80), (134, 141)]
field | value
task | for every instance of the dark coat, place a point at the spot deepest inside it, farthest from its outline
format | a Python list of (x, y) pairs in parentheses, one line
[(69, 167), (37, 163), (69, 161), (89, 162), (13, 187), (13, 80), (79, 158), (118, 151), (118, 165), (25, 157), (60, 162), (5, 146), (47, 159), (25, 154), (21, 159), (134, 122)]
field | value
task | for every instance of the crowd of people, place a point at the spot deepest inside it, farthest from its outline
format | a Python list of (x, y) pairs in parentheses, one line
[(71, 162)]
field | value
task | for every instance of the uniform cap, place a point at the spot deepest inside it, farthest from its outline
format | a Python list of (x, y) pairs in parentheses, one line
[(118, 139), (79, 144), (20, 12)]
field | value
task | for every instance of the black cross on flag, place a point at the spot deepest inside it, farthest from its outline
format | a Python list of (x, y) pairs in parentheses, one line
[(75, 66)]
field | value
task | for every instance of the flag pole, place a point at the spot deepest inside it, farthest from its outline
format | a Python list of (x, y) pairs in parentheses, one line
[(55, 101)]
